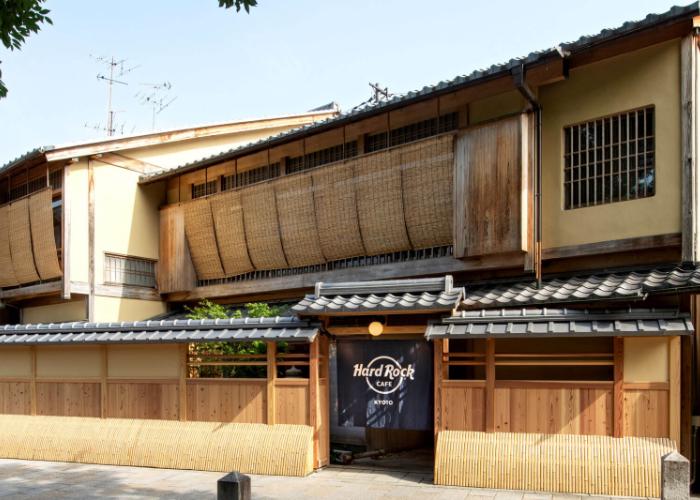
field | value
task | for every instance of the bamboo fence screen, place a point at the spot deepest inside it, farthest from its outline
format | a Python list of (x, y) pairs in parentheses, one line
[(7, 272), (390, 201), (43, 241), (21, 242), (212, 446), (564, 463)]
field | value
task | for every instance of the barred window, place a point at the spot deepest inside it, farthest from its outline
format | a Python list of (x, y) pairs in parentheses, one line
[(251, 176), (136, 271), (322, 157), (203, 189), (610, 159), (412, 132)]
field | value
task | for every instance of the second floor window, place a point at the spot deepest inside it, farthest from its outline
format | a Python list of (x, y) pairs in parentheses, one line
[(135, 271), (610, 159), (204, 189)]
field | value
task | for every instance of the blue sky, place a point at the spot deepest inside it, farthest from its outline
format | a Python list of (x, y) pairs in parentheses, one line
[(287, 56)]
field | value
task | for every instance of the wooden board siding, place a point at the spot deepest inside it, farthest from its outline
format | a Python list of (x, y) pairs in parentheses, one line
[(463, 406), (646, 413), (226, 400), (291, 400), (488, 193), (150, 400), (15, 398), (69, 399), (175, 269)]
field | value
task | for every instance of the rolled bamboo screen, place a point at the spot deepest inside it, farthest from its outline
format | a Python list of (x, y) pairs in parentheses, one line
[(297, 220), (427, 191), (336, 212), (230, 233), (380, 208), (7, 272), (43, 241), (565, 463), (261, 227), (201, 238), (21, 242)]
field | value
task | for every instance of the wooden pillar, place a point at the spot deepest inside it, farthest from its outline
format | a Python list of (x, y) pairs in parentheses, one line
[(314, 419), (686, 395), (32, 383), (271, 377), (618, 392), (490, 385), (674, 389), (690, 192), (437, 381), (91, 242), (103, 381), (182, 387), (65, 233)]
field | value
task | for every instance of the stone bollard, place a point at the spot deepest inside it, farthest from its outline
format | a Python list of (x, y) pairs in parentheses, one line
[(675, 477), (233, 486)]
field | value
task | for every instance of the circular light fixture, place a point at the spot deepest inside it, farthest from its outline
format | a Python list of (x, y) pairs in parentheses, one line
[(375, 328)]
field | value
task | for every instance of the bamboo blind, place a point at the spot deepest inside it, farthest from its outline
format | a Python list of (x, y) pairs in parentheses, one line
[(297, 220), (21, 242), (7, 272), (201, 238), (380, 203), (427, 191), (230, 233), (594, 465), (285, 450), (336, 212), (43, 241), (261, 227)]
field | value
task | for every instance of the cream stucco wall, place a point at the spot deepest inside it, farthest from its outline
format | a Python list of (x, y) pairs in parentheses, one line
[(78, 198), (649, 76), (15, 361), (119, 309), (495, 107), (646, 359), (75, 361), (143, 361), (55, 313)]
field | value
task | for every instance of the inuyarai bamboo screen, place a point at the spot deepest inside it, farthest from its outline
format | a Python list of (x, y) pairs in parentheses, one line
[(389, 201)]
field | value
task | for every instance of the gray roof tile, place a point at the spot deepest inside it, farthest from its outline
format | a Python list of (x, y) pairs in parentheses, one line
[(380, 304)]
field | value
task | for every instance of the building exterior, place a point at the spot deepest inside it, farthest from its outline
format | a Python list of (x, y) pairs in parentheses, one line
[(502, 266)]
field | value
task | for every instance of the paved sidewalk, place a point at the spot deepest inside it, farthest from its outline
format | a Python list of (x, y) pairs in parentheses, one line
[(56, 480)]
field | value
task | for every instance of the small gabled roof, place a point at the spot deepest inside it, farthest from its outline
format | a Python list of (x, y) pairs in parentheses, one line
[(289, 329)]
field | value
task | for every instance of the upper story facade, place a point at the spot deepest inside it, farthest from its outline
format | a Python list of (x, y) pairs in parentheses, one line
[(572, 159)]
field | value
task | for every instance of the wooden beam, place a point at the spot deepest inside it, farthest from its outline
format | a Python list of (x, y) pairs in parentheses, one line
[(613, 246), (618, 387), (182, 385), (65, 232), (120, 291), (388, 330), (437, 387), (32, 291), (686, 445), (314, 419), (271, 377), (674, 394), (127, 163), (490, 400), (689, 191)]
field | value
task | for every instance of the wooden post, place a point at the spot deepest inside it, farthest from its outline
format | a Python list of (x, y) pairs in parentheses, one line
[(32, 384), (674, 389), (182, 413), (437, 381), (103, 381), (690, 219), (618, 392), (65, 232), (271, 377), (91, 242), (313, 396), (490, 385)]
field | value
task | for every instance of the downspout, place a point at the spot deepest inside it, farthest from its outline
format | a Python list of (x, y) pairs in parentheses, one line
[(522, 86)]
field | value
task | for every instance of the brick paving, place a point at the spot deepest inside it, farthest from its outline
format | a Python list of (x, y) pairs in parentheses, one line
[(56, 480)]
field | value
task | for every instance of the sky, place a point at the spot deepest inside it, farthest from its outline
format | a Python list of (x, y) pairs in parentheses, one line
[(286, 56)]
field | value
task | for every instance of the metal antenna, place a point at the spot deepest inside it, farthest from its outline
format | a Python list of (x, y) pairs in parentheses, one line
[(158, 99), (379, 93), (114, 66)]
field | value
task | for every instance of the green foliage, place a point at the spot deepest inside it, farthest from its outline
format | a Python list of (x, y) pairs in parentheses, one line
[(18, 20), (246, 4), (207, 309)]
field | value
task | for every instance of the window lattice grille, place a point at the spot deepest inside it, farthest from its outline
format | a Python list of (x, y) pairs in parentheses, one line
[(252, 176), (204, 189), (133, 271), (322, 157), (610, 159), (412, 132)]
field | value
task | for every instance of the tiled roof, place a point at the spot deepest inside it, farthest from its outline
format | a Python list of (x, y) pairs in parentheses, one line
[(206, 330), (621, 285), (380, 304), (545, 322), (357, 113), (36, 152)]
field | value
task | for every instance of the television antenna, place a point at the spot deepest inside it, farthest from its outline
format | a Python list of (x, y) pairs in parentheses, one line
[(379, 93), (116, 71), (158, 98)]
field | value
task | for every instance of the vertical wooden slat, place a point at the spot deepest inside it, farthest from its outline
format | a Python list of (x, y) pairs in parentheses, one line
[(182, 391), (689, 188), (618, 394), (437, 381), (674, 389), (490, 385), (65, 232), (32, 386), (271, 376), (314, 419), (103, 381)]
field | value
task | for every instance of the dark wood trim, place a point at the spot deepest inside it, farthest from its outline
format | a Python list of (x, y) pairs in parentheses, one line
[(437, 387), (119, 291), (553, 384), (270, 382), (613, 246), (490, 393), (31, 291), (618, 387)]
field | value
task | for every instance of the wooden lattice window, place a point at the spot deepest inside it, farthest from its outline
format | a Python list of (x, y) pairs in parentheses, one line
[(321, 157), (135, 271), (204, 189), (411, 132), (610, 159)]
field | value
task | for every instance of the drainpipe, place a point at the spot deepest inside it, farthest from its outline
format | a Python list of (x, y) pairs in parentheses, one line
[(522, 86)]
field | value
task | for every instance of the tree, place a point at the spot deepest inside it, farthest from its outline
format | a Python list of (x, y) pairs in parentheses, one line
[(21, 18)]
